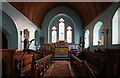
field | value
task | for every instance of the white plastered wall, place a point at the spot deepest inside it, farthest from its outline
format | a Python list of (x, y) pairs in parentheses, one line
[(21, 23)]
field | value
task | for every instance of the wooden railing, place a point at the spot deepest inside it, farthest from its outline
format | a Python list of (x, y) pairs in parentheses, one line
[(81, 68)]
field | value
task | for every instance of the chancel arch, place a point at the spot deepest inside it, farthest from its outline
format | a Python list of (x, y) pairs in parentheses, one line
[(116, 28), (66, 12), (98, 36), (87, 38), (61, 21)]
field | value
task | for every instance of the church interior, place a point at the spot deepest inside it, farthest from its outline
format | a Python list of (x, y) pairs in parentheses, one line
[(60, 39)]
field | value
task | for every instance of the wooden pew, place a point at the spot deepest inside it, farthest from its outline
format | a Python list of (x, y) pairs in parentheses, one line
[(41, 66), (81, 68), (105, 63), (8, 58), (7, 62), (76, 64), (96, 62), (24, 65), (89, 73), (113, 62), (11, 57)]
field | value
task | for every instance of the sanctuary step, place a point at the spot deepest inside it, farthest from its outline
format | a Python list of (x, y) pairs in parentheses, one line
[(61, 57)]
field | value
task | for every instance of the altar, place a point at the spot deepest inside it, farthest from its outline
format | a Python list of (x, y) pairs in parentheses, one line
[(61, 48), (61, 51)]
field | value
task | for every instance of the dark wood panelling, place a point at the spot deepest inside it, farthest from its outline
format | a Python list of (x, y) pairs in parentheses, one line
[(36, 11), (4, 41)]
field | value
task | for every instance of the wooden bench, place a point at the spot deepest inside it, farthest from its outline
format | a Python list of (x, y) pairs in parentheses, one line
[(41, 66), (28, 62), (8, 61), (24, 65), (103, 64), (81, 68)]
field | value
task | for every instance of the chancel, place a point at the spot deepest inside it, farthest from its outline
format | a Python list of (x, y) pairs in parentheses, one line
[(60, 39)]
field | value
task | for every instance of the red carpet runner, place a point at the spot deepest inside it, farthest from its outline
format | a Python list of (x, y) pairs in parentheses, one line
[(60, 69)]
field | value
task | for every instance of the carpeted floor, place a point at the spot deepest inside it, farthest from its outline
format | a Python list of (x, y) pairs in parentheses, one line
[(60, 69)]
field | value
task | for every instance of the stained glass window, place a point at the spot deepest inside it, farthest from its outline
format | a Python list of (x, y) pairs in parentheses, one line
[(61, 29), (54, 34), (69, 34)]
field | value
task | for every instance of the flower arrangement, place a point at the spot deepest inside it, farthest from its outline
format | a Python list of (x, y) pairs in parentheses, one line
[(99, 42), (51, 46)]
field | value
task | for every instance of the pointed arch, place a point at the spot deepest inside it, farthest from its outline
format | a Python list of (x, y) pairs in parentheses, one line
[(87, 38), (10, 30), (97, 34), (116, 27), (62, 11), (37, 39), (69, 34), (54, 34), (61, 29)]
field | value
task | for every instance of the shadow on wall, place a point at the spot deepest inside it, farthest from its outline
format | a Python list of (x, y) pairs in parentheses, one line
[(9, 29)]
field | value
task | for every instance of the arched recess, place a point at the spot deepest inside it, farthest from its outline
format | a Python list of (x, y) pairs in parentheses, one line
[(116, 27), (4, 41), (55, 21), (9, 29), (87, 38), (97, 34), (37, 39), (62, 10)]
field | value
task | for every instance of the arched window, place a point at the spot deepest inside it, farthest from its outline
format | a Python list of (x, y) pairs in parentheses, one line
[(116, 28), (54, 34), (87, 38), (69, 34), (61, 29), (37, 40), (98, 34)]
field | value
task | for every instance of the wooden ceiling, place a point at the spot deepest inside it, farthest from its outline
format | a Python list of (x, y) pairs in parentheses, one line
[(36, 11)]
